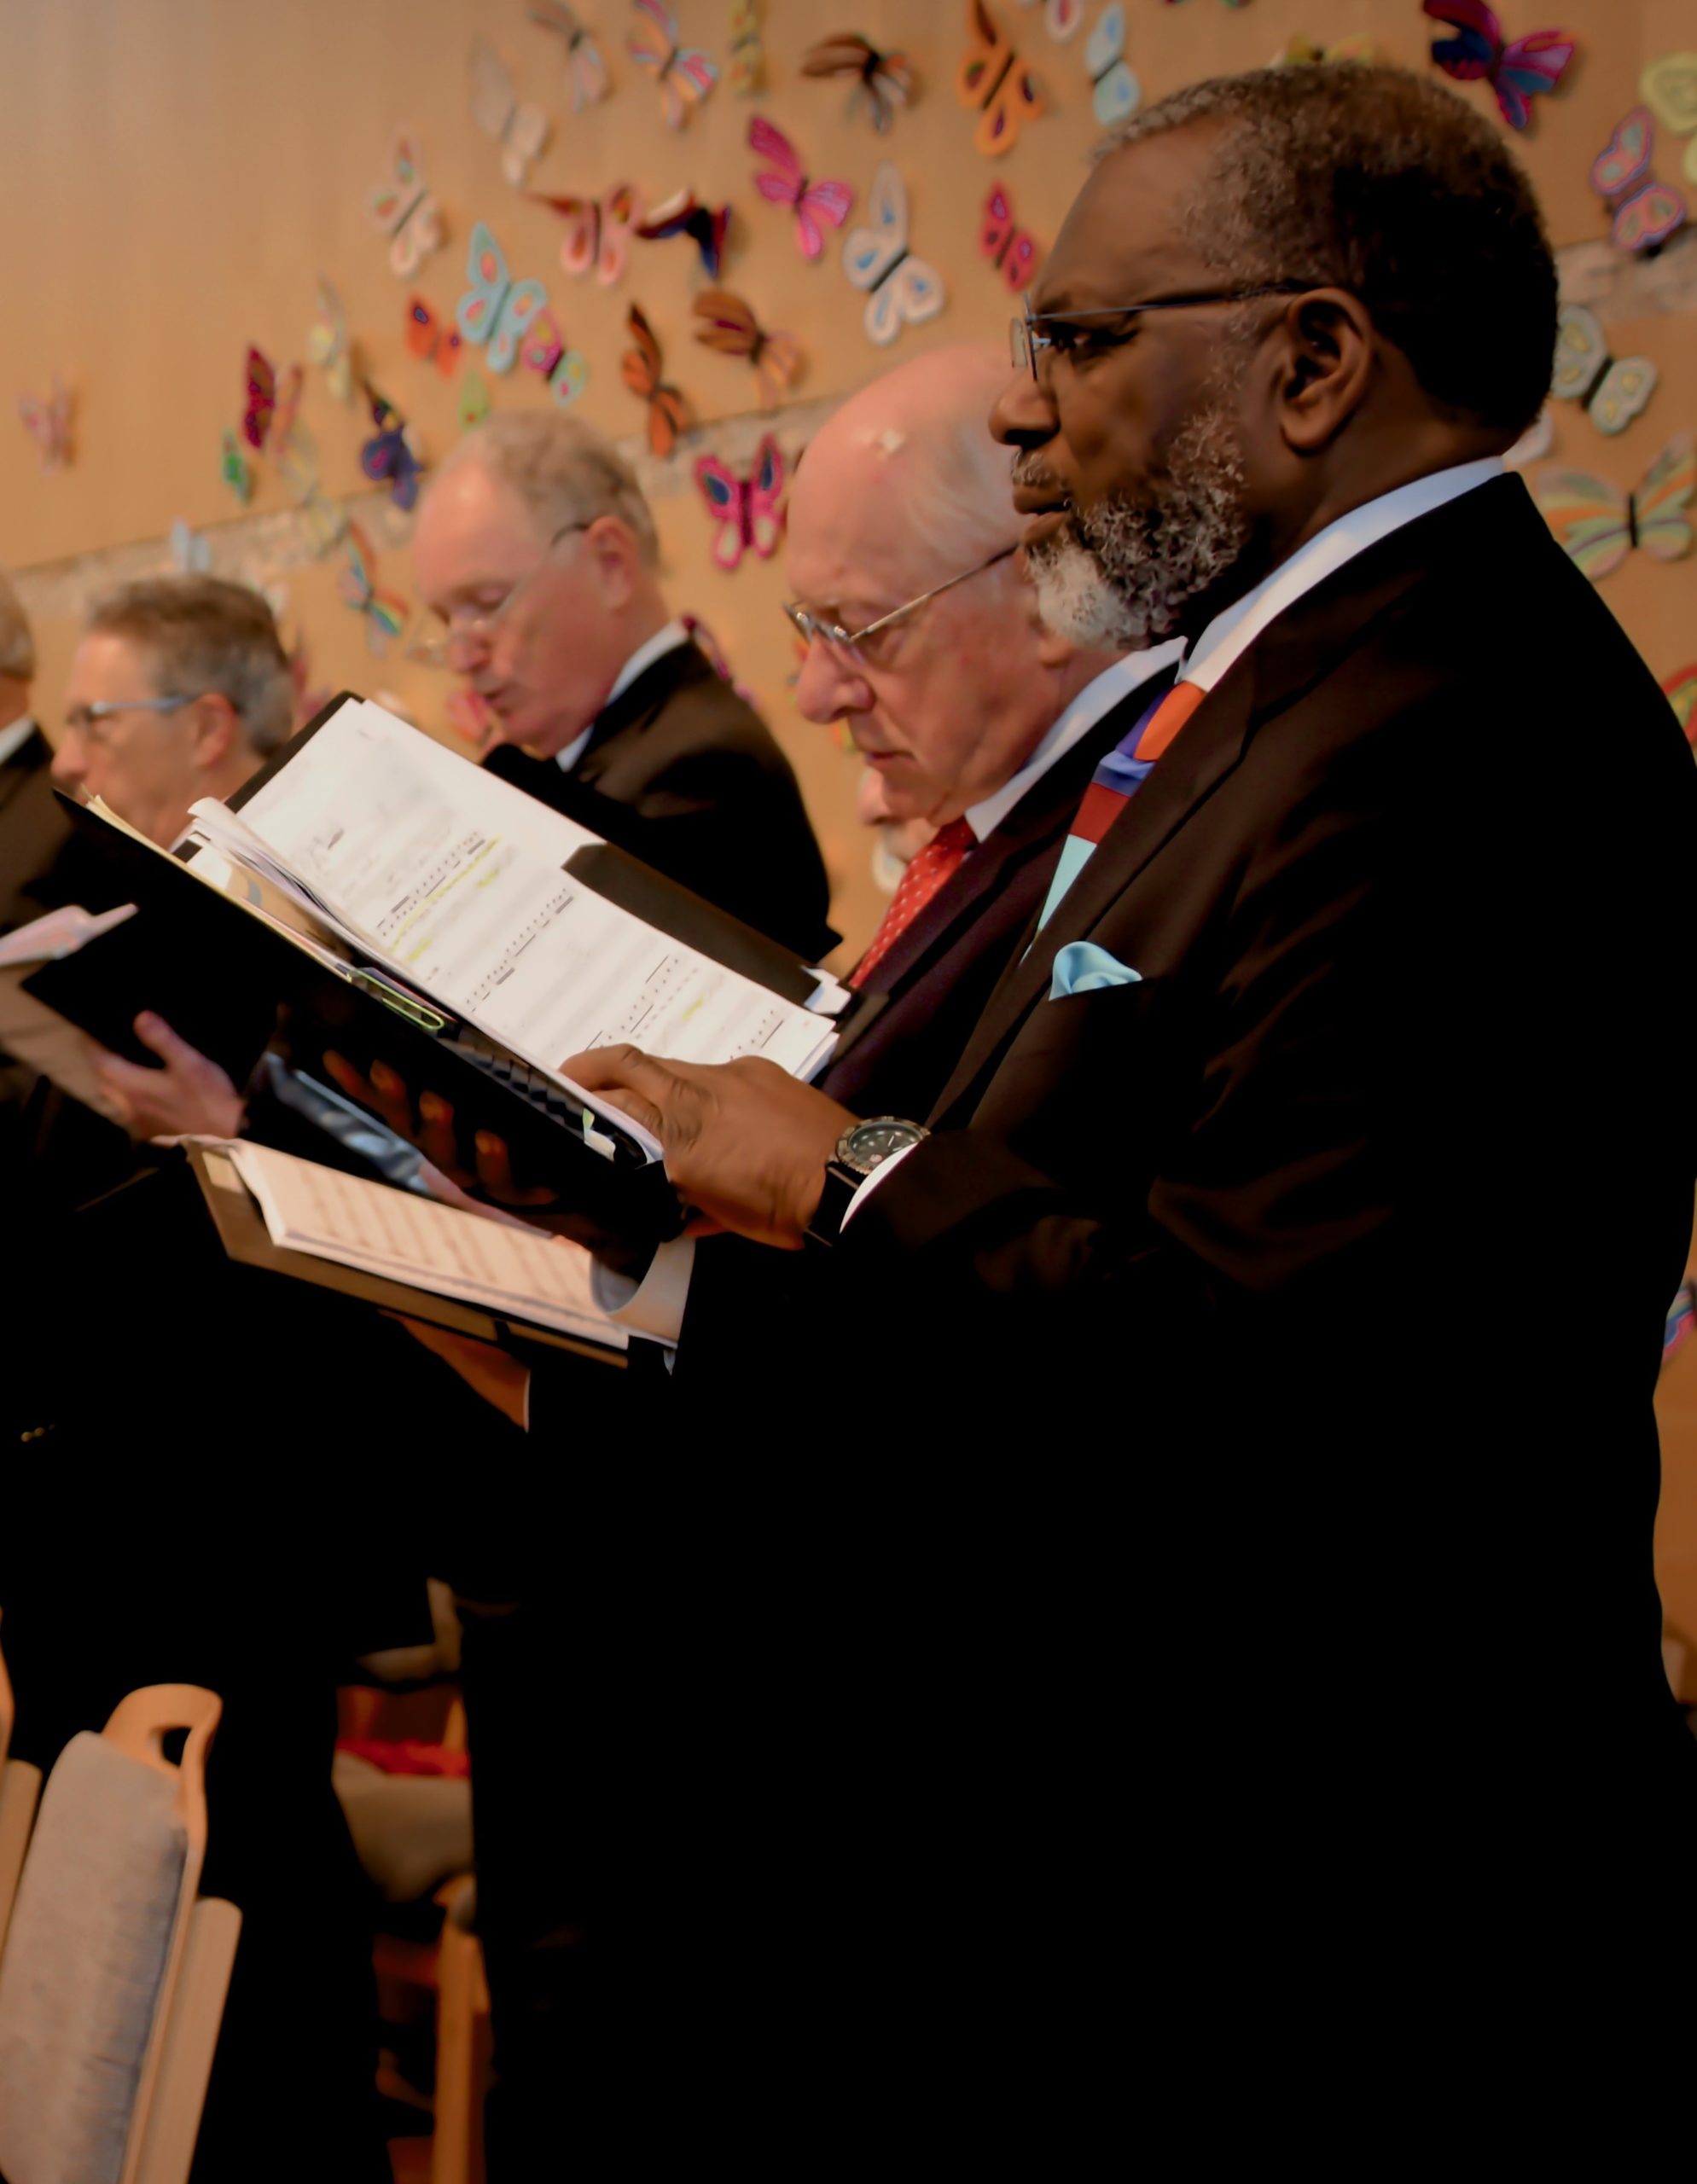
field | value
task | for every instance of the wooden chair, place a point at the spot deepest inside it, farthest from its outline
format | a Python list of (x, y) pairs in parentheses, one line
[(20, 1790), (151, 1965)]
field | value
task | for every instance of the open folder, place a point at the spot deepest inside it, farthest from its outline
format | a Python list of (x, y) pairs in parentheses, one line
[(399, 904)]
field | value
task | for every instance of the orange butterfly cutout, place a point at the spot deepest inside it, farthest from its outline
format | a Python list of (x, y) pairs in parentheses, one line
[(993, 77), (669, 413), (432, 340), (733, 329)]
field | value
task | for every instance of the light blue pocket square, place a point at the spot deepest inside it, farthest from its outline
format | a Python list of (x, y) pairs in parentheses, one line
[(1082, 967)]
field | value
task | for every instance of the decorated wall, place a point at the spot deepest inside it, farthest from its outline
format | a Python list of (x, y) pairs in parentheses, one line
[(361, 187)]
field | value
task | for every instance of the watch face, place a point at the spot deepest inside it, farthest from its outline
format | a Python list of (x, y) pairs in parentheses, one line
[(869, 1144)]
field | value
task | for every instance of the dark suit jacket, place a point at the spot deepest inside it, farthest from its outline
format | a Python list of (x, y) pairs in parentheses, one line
[(42, 865), (1247, 1244), (684, 774)]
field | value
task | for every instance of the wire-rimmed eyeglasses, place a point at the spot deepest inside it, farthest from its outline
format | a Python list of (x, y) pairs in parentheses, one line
[(470, 629), (1027, 345), (87, 720), (812, 628)]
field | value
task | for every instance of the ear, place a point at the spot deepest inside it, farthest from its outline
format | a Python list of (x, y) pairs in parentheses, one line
[(1327, 350), (617, 560), (217, 731)]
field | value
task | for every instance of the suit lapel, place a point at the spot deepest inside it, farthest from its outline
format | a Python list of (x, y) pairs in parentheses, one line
[(636, 706), (22, 767)]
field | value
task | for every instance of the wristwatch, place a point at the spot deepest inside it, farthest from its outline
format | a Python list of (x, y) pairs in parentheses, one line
[(862, 1148)]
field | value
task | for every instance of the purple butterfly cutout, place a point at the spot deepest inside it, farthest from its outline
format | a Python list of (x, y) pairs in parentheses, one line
[(1516, 69)]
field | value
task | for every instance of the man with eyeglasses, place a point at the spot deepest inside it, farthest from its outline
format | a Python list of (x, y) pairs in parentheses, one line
[(1349, 1001), (535, 547)]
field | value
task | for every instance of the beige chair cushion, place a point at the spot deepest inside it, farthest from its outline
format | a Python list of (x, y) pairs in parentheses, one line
[(84, 1959), (412, 1831)]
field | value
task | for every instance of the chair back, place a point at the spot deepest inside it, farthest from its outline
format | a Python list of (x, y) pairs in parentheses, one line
[(100, 1932), (19, 1788)]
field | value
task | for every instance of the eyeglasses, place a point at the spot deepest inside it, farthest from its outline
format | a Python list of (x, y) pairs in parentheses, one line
[(1027, 345), (813, 630), (470, 629), (87, 719)]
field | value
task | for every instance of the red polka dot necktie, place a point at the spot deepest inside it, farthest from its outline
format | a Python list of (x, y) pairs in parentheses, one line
[(936, 864)]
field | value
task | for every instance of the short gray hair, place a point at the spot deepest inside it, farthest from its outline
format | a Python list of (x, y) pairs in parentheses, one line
[(17, 640), (1370, 178), (205, 634), (563, 469)]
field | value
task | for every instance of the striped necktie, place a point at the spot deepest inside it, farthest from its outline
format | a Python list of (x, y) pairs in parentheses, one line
[(1117, 779)]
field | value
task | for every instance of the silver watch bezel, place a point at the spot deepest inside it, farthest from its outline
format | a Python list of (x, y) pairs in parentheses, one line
[(846, 1156)]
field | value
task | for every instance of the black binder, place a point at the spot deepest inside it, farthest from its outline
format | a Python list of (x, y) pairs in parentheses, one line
[(226, 980)]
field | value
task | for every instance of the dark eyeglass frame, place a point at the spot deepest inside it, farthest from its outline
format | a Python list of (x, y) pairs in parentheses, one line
[(477, 629), (811, 629), (86, 719), (1027, 345)]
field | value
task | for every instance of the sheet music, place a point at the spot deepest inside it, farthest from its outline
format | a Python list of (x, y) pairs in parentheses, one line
[(455, 878), (381, 1230)]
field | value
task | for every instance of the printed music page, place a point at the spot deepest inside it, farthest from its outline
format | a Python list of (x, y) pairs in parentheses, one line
[(456, 879), (393, 1233)]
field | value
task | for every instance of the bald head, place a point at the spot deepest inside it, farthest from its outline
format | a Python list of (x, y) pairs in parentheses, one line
[(904, 491), (905, 474)]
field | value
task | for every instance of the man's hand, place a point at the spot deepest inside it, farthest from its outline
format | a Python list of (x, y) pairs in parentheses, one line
[(190, 1097), (744, 1141)]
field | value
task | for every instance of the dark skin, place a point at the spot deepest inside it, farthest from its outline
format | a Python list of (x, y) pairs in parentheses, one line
[(1327, 415)]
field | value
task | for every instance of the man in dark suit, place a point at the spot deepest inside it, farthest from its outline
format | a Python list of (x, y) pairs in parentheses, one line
[(1347, 1010), (537, 550)]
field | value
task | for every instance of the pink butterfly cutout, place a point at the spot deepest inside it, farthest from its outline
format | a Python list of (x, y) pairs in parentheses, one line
[(1516, 69), (784, 183), (1005, 246), (1646, 212), (47, 419), (746, 509)]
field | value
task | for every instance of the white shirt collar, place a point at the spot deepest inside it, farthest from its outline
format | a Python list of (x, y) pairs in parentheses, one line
[(14, 736), (1093, 703), (1230, 635), (662, 641)]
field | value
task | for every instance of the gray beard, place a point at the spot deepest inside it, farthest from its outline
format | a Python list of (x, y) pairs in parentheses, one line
[(1122, 575)]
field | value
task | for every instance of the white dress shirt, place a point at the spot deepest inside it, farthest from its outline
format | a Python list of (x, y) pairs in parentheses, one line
[(1230, 633), (15, 735), (662, 641)]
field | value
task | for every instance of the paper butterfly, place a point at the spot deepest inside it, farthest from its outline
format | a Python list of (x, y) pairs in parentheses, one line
[(1613, 393), (1062, 17), (1646, 212), (326, 521), (543, 351), (387, 456), (732, 329), (747, 52), (1534, 443), (682, 215), (327, 343), (521, 130), (263, 396), (1670, 90), (993, 78), (406, 211), (386, 615), (191, 551), (1004, 243), (495, 309), (1516, 69), (885, 80), (1598, 524), (585, 70), (783, 182), (669, 413), (903, 289), (235, 468), (747, 508), (1299, 51), (684, 76), (1681, 694), (474, 402), (1116, 92), (47, 419), (597, 231), (432, 340)]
